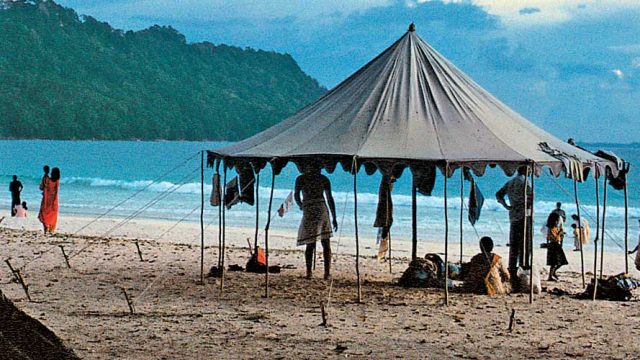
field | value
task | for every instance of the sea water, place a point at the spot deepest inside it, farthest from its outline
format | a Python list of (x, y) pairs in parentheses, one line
[(161, 180)]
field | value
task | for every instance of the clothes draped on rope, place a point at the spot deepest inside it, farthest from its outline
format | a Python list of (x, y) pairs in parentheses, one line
[(384, 215), (247, 181), (48, 214), (424, 178), (231, 193), (215, 198), (315, 224), (476, 199), (382, 240), (623, 167), (574, 168), (286, 205)]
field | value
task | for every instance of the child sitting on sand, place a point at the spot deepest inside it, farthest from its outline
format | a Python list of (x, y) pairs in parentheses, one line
[(21, 209)]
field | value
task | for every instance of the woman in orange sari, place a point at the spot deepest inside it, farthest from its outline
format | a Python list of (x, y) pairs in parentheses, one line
[(48, 215)]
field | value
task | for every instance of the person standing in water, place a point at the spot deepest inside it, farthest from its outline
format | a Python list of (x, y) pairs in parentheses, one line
[(315, 224), (48, 215), (15, 187)]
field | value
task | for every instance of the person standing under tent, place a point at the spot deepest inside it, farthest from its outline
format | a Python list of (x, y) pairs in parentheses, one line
[(315, 224), (514, 190), (48, 215), (555, 254), (15, 187), (581, 237)]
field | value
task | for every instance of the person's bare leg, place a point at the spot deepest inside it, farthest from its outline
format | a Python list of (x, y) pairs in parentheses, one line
[(308, 257), (326, 254)]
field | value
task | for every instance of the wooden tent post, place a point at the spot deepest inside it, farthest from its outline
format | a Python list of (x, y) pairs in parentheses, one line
[(626, 227), (461, 209), (446, 238), (220, 205), (523, 258), (255, 239), (266, 233), (602, 228), (595, 241), (414, 222), (201, 217), (533, 198), (224, 229), (580, 230), (355, 214)]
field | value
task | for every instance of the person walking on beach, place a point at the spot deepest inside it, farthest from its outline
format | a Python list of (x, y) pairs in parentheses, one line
[(15, 187), (514, 190), (555, 255), (315, 225), (48, 214), (580, 237)]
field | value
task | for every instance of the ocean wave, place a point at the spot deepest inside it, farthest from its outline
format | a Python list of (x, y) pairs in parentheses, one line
[(365, 199)]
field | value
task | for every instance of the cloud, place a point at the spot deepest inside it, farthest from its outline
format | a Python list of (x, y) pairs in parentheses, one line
[(529, 10)]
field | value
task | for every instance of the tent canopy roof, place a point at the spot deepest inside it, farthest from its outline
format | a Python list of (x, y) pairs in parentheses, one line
[(407, 105)]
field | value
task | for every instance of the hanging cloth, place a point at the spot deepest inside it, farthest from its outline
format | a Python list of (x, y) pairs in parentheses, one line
[(382, 240), (214, 200), (476, 199), (286, 205), (424, 178), (231, 193), (384, 210), (247, 180)]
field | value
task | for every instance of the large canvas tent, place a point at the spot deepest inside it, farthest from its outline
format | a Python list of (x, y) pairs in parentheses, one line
[(409, 106)]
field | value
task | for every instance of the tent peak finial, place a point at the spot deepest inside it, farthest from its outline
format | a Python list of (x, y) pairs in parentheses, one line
[(412, 27)]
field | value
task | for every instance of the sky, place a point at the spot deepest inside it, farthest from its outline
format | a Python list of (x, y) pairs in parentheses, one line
[(570, 66)]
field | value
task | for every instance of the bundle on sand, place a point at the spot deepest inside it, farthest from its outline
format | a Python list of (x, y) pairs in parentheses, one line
[(614, 288), (428, 272), (22, 337)]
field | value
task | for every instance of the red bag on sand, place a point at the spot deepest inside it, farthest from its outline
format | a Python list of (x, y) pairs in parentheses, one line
[(262, 260)]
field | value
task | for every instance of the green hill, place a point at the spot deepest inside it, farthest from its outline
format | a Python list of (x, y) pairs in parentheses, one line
[(68, 77)]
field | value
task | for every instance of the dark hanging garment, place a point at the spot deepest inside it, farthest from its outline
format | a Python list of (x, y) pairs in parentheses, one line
[(476, 199), (247, 181), (619, 181), (424, 178), (214, 200), (384, 210), (231, 193)]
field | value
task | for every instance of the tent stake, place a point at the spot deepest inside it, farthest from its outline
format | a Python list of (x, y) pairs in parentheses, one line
[(414, 222), (355, 215), (461, 209), (446, 239), (132, 310), (533, 197), (66, 258), (19, 279), (224, 229), (595, 242), (580, 230), (201, 220), (139, 251), (626, 227), (266, 234), (604, 216)]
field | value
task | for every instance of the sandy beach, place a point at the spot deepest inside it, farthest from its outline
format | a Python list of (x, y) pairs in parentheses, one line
[(175, 317)]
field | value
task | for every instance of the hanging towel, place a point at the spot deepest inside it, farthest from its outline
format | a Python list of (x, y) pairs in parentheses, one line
[(382, 240), (247, 179), (424, 178), (286, 205), (384, 210), (476, 200), (214, 200), (231, 193)]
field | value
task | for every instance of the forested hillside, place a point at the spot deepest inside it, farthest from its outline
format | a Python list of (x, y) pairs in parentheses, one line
[(63, 76)]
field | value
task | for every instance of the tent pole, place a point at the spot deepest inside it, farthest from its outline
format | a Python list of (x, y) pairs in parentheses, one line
[(202, 217), (224, 229), (266, 234), (626, 227), (220, 205), (602, 228), (461, 208), (595, 242), (446, 238), (530, 243), (524, 259), (390, 269), (414, 222), (580, 230), (355, 214), (255, 238)]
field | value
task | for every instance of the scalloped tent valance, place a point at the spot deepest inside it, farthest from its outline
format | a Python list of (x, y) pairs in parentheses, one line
[(409, 107)]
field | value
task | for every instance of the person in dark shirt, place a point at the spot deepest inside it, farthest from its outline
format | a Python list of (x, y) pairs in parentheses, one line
[(15, 187)]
